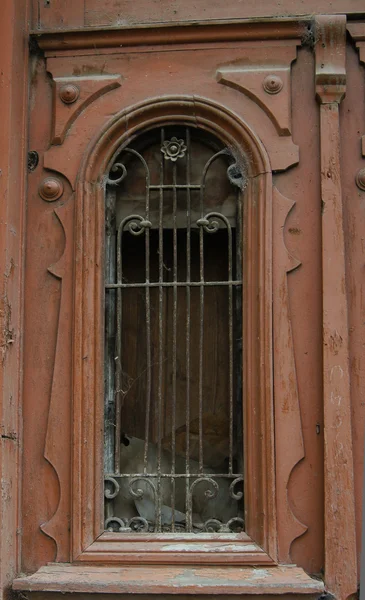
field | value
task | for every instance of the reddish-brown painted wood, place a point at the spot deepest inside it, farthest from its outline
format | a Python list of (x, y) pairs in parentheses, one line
[(302, 237), (90, 13), (352, 123), (288, 427), (226, 63), (13, 101), (339, 509), (211, 581), (88, 335)]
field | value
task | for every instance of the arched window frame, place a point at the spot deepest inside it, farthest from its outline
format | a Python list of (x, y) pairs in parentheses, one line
[(89, 541)]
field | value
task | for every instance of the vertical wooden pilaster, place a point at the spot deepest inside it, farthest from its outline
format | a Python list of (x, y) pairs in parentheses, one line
[(339, 512), (13, 102)]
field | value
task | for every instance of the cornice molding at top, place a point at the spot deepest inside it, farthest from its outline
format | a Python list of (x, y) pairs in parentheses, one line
[(173, 34)]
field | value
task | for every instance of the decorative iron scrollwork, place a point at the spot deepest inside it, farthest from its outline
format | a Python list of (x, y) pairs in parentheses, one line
[(121, 173), (210, 222), (232, 493), (135, 224), (111, 493), (178, 491)]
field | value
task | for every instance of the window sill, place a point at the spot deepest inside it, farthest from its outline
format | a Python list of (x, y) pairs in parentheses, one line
[(164, 579)]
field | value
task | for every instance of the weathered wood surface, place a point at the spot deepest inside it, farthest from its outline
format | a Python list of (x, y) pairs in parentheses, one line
[(352, 124), (13, 102), (60, 14), (339, 508), (288, 426), (46, 243), (173, 580)]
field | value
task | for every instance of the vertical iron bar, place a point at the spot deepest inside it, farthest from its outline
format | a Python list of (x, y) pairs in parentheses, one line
[(148, 326), (230, 334), (109, 408), (160, 339), (118, 355), (188, 276), (201, 327), (174, 342), (239, 337)]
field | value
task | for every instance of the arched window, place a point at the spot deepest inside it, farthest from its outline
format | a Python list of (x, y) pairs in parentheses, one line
[(172, 343), (173, 334)]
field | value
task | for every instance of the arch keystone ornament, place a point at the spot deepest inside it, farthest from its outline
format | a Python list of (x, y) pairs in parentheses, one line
[(339, 510)]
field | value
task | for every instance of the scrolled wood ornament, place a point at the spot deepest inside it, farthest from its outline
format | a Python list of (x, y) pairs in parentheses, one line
[(50, 189)]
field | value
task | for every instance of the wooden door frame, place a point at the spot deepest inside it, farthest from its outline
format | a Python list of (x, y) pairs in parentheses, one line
[(14, 31)]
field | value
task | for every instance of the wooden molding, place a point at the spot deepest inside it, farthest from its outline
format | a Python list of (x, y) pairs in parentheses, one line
[(211, 581), (288, 426), (88, 336), (171, 33), (86, 89), (357, 32), (58, 453), (14, 67), (339, 511), (266, 80)]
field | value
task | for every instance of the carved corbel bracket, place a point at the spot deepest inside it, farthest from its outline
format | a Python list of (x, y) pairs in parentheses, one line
[(270, 88), (267, 82), (339, 511), (330, 33), (71, 95)]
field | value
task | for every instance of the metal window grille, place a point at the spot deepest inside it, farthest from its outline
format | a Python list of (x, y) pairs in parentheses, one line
[(173, 274)]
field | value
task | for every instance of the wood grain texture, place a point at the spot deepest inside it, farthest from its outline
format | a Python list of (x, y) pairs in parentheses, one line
[(249, 79), (353, 115), (58, 14), (57, 449), (288, 427), (339, 510), (87, 513), (172, 580), (13, 101)]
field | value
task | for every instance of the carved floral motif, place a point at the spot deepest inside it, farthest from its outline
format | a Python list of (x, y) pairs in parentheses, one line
[(173, 149)]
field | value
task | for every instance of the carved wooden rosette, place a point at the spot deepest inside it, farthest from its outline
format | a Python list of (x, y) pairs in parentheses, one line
[(339, 511)]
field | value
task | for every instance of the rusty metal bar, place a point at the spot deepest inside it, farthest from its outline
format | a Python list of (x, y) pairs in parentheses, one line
[(109, 365), (118, 355), (201, 325), (189, 524), (236, 282), (174, 342), (230, 335), (177, 475), (178, 186), (148, 326), (158, 525)]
